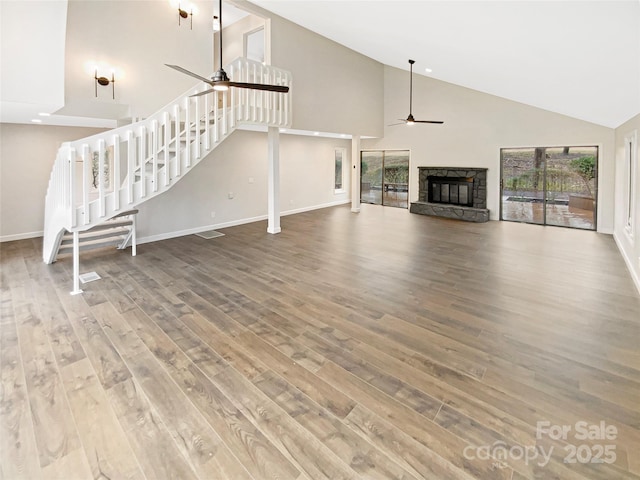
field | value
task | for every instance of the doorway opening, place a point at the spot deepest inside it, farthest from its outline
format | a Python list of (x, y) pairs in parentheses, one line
[(550, 186), (384, 177)]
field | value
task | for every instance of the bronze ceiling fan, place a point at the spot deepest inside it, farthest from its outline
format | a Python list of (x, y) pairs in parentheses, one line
[(220, 80), (410, 120)]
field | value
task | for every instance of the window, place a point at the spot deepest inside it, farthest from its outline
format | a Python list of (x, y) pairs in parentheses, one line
[(338, 183), (630, 149), (254, 45)]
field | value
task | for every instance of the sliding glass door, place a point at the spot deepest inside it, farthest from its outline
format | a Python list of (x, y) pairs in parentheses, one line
[(385, 177), (550, 186)]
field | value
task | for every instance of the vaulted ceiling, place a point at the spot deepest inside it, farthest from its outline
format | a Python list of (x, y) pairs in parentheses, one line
[(574, 57)]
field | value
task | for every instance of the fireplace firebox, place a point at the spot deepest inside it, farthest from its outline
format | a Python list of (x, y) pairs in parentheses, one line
[(451, 190)]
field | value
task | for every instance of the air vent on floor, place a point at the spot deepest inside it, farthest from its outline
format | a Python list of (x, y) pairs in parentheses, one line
[(208, 235), (89, 277)]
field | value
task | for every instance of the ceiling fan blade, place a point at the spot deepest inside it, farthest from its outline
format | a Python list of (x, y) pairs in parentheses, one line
[(202, 93), (260, 86), (429, 121), (394, 124), (187, 72)]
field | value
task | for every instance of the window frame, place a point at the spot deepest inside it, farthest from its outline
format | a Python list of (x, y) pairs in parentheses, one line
[(631, 172), (343, 152)]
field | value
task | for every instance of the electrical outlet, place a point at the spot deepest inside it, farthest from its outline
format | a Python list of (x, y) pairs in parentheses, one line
[(213, 214), (231, 195), (251, 180)]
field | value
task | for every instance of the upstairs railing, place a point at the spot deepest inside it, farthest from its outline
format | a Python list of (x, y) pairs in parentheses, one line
[(98, 177)]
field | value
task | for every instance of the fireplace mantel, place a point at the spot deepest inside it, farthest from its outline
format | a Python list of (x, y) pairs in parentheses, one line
[(476, 212)]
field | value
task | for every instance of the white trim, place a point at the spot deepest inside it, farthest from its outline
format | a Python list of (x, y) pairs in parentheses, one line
[(343, 151), (233, 223), (21, 236), (317, 207), (628, 261)]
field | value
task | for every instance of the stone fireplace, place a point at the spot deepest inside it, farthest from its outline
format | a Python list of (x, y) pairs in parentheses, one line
[(452, 192)]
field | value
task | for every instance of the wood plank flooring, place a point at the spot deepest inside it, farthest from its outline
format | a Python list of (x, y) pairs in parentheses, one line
[(378, 345)]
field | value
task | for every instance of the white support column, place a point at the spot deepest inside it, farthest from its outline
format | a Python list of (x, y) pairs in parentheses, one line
[(76, 264), (134, 239), (355, 174), (273, 136)]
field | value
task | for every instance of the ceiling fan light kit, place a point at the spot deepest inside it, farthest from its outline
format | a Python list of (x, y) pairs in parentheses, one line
[(220, 81)]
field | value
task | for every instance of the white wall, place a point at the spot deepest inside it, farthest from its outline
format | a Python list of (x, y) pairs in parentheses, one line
[(476, 126), (41, 24), (27, 153), (138, 38), (628, 242), (307, 175), (233, 38), (334, 88)]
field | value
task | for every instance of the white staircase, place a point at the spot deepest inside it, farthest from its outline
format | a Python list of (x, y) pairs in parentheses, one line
[(118, 231), (98, 178)]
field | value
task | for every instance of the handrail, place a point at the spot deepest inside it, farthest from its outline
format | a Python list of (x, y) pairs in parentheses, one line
[(96, 178)]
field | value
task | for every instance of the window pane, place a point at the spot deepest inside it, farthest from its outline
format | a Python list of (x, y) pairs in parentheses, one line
[(338, 170)]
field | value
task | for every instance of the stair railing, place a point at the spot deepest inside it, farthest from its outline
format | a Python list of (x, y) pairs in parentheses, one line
[(96, 178)]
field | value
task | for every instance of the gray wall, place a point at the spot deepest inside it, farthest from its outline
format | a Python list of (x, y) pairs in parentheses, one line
[(334, 88), (137, 38), (27, 153), (476, 126), (239, 166)]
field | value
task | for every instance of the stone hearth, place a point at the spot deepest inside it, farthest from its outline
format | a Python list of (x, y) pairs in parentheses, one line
[(477, 212)]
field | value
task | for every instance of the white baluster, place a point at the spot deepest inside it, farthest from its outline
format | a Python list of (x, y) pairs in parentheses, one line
[(73, 186), (87, 181), (131, 158), (142, 161), (216, 116), (101, 177), (154, 153), (224, 112), (115, 186), (167, 139), (187, 129), (207, 133), (197, 124), (176, 138)]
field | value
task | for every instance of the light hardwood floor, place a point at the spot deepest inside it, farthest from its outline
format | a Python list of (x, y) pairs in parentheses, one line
[(373, 345)]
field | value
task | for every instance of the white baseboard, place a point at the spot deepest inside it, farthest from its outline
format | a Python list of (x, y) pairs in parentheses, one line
[(193, 231), (20, 236), (635, 274), (315, 207), (233, 223)]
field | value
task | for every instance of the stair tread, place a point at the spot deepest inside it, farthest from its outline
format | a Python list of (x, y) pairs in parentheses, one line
[(120, 222), (123, 230), (94, 243)]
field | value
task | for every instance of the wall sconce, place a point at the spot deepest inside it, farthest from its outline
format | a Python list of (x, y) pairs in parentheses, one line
[(104, 81), (184, 14)]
